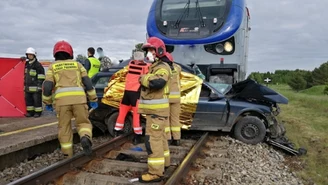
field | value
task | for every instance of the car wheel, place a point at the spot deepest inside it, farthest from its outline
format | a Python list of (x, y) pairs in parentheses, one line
[(250, 130), (111, 121)]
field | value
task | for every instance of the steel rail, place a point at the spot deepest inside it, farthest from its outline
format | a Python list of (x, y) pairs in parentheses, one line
[(184, 167), (60, 168)]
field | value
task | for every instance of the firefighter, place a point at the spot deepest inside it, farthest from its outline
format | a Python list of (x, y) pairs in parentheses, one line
[(34, 77), (92, 64), (174, 128), (70, 81), (154, 104), (136, 68)]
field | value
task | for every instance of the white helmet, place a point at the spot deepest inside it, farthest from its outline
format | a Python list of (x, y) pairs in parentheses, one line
[(31, 51)]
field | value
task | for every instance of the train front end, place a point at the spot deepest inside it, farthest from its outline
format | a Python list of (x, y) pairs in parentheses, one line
[(209, 34)]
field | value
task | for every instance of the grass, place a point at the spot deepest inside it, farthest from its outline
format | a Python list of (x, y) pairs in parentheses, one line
[(306, 121), (315, 90)]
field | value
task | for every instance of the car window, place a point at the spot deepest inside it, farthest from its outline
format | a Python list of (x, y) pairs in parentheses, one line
[(222, 88), (102, 82), (205, 91)]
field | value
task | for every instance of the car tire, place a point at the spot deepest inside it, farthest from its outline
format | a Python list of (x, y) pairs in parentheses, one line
[(110, 121), (250, 130)]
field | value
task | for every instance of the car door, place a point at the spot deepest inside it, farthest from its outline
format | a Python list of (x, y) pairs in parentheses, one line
[(100, 82), (210, 113)]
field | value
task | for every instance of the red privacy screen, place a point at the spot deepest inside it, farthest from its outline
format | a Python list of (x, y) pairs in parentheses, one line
[(12, 101)]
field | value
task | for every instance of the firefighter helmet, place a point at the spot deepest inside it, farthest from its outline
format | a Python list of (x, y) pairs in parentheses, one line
[(30, 50), (63, 46), (157, 44)]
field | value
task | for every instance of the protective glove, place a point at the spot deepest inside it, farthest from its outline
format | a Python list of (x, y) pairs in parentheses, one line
[(23, 58), (49, 108), (94, 105)]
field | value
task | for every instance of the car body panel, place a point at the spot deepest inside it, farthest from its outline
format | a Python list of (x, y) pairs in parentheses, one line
[(198, 109), (203, 106)]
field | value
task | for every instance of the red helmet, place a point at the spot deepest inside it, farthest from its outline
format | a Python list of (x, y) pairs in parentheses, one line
[(63, 46), (157, 44), (169, 56)]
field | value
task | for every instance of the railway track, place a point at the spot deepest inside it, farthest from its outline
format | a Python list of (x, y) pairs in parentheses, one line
[(116, 162)]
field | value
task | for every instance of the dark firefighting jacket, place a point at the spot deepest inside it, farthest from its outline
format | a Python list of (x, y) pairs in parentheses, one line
[(34, 76)]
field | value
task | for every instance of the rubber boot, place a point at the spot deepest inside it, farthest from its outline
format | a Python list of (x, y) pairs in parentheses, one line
[(86, 145), (36, 115), (146, 178), (118, 133), (28, 115), (136, 139), (176, 142)]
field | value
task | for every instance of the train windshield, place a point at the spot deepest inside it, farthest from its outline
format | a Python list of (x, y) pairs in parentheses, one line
[(171, 10)]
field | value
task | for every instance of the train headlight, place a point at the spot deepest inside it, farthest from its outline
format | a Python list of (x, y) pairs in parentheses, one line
[(219, 48), (228, 46)]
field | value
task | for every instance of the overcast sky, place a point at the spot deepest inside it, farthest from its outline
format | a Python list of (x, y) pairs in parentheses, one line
[(286, 34)]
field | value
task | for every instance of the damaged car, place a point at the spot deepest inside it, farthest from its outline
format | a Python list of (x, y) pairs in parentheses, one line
[(247, 109)]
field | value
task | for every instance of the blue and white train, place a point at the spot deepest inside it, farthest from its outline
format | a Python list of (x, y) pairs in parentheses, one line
[(213, 34)]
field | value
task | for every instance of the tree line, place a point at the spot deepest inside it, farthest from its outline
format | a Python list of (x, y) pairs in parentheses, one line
[(296, 79)]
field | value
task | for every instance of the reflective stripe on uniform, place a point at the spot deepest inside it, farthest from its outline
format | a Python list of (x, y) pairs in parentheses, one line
[(154, 104), (174, 95), (145, 80), (156, 101), (137, 128), (66, 145), (88, 130), (33, 88), (119, 126), (32, 72), (46, 97), (156, 161), (158, 106), (78, 76), (162, 72), (38, 109), (167, 129), (166, 153), (91, 92), (176, 129), (69, 91), (41, 76), (166, 91), (56, 80), (29, 108)]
